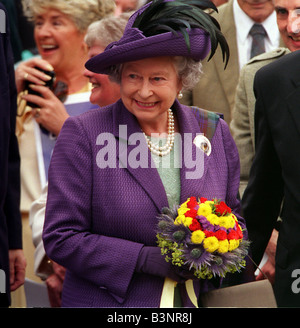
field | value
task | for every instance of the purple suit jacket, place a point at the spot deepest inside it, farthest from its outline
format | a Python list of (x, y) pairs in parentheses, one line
[(98, 219)]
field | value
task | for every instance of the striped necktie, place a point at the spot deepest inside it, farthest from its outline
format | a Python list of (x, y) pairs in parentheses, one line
[(258, 34)]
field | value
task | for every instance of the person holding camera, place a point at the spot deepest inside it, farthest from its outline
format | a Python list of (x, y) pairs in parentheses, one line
[(51, 87)]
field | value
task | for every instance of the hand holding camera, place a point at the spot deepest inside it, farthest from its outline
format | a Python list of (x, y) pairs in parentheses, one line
[(40, 88), (49, 84), (32, 71)]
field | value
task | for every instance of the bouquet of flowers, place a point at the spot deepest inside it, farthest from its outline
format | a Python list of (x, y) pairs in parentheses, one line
[(203, 235)]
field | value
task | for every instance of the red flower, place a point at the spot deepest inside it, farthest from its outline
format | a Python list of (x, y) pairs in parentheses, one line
[(195, 225), (239, 231), (191, 213), (203, 200), (222, 209), (233, 235), (209, 233), (192, 202), (221, 235)]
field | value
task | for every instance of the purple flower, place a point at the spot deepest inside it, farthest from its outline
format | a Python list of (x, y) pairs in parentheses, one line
[(196, 256), (206, 225), (180, 234)]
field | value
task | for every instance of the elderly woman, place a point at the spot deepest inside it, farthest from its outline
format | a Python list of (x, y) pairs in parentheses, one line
[(59, 31), (108, 178), (99, 35)]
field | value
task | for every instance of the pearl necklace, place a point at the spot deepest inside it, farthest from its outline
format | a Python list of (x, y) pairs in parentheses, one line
[(164, 150)]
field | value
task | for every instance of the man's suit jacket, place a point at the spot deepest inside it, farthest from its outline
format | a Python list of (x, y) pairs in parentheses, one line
[(98, 219), (242, 124), (275, 174), (10, 220), (216, 89)]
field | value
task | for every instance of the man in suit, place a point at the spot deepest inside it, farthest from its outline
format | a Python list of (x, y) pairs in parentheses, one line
[(242, 127), (216, 88), (275, 177), (12, 261), (242, 124)]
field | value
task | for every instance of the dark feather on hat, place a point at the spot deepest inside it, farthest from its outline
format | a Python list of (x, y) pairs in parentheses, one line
[(181, 16)]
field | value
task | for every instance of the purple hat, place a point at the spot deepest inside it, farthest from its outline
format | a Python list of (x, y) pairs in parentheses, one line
[(149, 33)]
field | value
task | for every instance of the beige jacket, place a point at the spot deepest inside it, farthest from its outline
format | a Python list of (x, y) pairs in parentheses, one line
[(216, 88), (242, 125), (31, 186)]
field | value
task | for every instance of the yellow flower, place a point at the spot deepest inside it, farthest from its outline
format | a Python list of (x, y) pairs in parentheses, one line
[(211, 244), (213, 219), (223, 246), (233, 244), (197, 237), (226, 222), (182, 210), (204, 209), (188, 221), (234, 217), (184, 205), (240, 227), (181, 219)]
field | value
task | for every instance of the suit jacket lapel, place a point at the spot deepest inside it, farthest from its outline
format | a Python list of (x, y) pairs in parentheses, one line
[(127, 131)]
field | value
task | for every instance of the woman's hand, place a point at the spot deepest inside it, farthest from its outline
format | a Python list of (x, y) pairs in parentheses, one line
[(54, 284), (151, 261), (17, 265), (50, 111), (26, 71)]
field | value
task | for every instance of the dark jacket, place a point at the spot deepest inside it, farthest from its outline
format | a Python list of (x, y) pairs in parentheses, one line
[(275, 173), (10, 218)]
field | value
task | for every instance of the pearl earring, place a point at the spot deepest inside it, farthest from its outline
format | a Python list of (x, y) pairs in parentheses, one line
[(180, 95)]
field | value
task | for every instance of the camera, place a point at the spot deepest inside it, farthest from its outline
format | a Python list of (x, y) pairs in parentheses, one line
[(48, 84)]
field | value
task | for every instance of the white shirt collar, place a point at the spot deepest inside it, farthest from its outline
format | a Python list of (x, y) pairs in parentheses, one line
[(244, 24), (273, 33)]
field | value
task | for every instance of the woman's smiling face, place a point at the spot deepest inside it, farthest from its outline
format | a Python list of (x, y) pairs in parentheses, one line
[(149, 88), (57, 38), (104, 92)]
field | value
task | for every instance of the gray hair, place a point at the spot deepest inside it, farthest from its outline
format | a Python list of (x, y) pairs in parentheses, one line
[(81, 12), (106, 30), (189, 72)]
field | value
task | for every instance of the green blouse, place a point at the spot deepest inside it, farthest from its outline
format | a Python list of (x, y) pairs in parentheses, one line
[(168, 167)]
